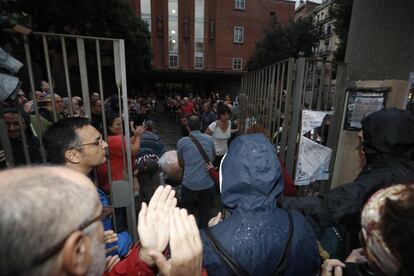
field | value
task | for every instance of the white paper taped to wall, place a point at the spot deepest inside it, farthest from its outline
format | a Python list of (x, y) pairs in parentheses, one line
[(313, 158)]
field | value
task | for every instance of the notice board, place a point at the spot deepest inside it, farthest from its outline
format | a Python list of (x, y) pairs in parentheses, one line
[(361, 103)]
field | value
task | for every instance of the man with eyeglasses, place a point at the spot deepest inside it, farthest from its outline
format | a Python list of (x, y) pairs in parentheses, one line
[(49, 225), (15, 128), (76, 144)]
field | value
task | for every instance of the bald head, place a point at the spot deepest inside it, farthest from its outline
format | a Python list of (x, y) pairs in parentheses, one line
[(40, 207)]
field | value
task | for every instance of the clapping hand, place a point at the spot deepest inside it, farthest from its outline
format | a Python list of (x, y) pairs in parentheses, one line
[(154, 222), (185, 245)]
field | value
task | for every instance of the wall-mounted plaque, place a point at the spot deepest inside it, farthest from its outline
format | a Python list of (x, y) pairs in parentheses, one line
[(361, 103)]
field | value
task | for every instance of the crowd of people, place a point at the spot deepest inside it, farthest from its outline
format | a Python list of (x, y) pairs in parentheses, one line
[(217, 205)]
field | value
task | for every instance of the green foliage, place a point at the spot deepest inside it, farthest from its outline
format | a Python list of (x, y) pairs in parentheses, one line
[(341, 11), (101, 18), (281, 42)]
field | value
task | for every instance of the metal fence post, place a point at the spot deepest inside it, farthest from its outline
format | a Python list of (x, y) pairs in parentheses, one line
[(337, 120), (296, 112)]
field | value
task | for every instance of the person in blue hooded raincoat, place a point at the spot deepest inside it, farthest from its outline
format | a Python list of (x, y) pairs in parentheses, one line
[(257, 230)]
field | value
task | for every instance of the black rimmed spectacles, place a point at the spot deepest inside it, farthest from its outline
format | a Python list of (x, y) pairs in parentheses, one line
[(98, 142), (57, 247)]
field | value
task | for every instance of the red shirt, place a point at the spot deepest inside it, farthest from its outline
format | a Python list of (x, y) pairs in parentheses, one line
[(134, 266), (187, 109), (116, 160)]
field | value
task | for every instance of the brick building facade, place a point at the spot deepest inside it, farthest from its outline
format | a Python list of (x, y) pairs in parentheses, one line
[(206, 43)]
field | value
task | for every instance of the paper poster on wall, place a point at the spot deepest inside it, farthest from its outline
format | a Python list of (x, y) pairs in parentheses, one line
[(361, 103), (313, 158)]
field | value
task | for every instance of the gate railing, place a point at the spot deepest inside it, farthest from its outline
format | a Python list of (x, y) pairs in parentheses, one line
[(122, 194), (276, 95)]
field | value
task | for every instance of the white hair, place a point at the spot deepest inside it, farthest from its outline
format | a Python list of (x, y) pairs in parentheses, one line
[(37, 210)]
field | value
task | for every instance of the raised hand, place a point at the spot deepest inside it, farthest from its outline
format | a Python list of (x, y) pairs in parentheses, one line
[(111, 261), (185, 245), (154, 222)]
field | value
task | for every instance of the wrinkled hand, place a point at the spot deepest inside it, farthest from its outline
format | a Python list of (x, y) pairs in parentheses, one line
[(111, 261), (110, 237), (154, 222), (186, 247), (356, 256), (215, 220), (332, 267)]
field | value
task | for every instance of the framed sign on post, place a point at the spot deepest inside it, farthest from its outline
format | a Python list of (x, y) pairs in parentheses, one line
[(361, 103)]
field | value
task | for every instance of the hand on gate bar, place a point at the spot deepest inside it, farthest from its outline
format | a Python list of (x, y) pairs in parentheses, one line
[(154, 222), (185, 245)]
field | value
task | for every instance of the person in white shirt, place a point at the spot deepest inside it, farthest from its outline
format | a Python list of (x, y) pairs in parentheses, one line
[(220, 130)]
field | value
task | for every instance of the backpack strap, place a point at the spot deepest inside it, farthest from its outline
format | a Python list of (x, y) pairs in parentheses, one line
[(287, 248), (230, 262), (200, 149)]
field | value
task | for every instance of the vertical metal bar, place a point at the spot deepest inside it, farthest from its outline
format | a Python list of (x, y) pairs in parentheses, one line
[(321, 86), (337, 120), (83, 70), (260, 98), (105, 130), (271, 100), (267, 104), (67, 77), (251, 95), (295, 117), (117, 64), (270, 89), (24, 138), (315, 65), (305, 83), (328, 91), (277, 109), (49, 76), (284, 100), (33, 89), (131, 208)]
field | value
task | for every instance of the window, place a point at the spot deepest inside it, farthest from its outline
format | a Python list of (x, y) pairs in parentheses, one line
[(237, 63), (146, 12), (173, 62), (199, 34), (173, 32), (328, 30), (199, 62), (239, 4), (238, 35)]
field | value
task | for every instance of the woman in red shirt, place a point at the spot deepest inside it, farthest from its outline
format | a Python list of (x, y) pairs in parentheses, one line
[(115, 143)]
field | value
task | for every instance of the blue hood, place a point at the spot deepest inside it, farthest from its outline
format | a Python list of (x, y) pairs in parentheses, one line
[(256, 231), (251, 174)]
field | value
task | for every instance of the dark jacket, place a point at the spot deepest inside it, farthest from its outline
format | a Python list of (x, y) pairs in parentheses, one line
[(256, 231), (150, 142), (389, 150)]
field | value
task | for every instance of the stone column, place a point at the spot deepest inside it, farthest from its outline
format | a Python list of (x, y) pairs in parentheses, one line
[(380, 53)]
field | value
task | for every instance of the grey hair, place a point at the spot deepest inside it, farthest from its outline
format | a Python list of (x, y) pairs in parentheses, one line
[(37, 211)]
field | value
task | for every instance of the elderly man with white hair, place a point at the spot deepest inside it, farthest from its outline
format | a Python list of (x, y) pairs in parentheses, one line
[(50, 225)]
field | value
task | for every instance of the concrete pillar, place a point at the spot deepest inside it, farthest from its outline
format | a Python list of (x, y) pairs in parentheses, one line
[(380, 53)]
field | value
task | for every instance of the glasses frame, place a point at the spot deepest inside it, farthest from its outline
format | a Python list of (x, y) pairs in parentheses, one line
[(58, 246)]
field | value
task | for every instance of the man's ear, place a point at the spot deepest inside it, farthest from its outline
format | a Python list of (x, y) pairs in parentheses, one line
[(73, 156), (77, 254)]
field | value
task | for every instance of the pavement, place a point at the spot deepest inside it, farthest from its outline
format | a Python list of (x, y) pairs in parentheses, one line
[(167, 129)]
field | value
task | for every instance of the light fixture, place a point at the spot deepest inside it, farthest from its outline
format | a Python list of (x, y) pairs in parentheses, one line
[(173, 32), (173, 41), (173, 11)]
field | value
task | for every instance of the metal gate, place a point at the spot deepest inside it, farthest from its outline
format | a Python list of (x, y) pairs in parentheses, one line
[(122, 191), (276, 95)]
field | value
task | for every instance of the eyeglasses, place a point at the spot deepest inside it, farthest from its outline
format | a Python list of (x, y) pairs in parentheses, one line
[(98, 142), (55, 249)]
